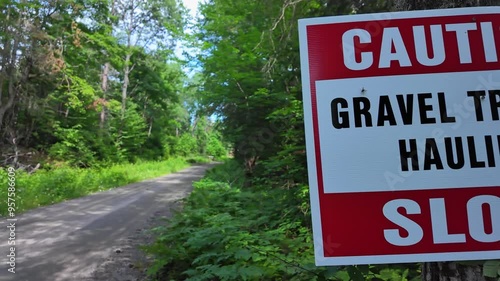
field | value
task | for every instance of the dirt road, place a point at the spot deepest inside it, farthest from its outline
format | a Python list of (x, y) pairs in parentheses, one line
[(70, 240)]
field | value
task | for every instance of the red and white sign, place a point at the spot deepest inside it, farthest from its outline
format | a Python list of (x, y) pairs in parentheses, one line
[(402, 116)]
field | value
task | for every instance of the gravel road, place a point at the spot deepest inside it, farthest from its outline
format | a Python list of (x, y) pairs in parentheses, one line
[(94, 238)]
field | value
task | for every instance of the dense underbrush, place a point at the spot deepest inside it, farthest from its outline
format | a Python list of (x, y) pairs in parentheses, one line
[(47, 187), (230, 232)]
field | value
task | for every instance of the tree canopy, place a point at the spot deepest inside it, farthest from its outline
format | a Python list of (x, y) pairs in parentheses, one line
[(90, 81)]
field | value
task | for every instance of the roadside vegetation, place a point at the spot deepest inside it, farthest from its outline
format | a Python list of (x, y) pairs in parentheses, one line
[(47, 187), (229, 230)]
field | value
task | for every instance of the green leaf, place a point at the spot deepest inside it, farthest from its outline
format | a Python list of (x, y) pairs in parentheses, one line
[(491, 268), (243, 254), (355, 274)]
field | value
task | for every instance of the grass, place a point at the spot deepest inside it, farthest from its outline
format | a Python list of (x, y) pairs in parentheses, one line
[(197, 159), (49, 187)]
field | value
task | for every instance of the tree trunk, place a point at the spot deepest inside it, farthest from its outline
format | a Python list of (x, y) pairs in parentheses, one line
[(150, 127), (126, 72), (9, 103), (195, 123), (126, 69), (9, 71), (446, 271), (105, 76), (451, 271), (104, 87)]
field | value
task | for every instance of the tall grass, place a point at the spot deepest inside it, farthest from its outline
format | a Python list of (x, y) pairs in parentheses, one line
[(49, 187)]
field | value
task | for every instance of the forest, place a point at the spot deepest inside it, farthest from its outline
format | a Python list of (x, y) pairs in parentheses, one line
[(91, 84)]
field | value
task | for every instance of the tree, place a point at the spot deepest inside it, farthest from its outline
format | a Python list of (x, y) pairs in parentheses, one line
[(29, 58), (147, 25), (251, 77), (85, 81), (251, 72)]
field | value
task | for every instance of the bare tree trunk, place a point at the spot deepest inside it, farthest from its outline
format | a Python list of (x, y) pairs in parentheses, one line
[(104, 87), (9, 103), (126, 69), (150, 127), (451, 271), (105, 77), (126, 72), (195, 123), (9, 60), (446, 271)]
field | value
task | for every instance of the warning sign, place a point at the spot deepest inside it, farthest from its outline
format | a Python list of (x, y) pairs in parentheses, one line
[(402, 114)]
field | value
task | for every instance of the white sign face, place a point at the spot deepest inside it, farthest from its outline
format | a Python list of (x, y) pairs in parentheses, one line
[(402, 119), (379, 124)]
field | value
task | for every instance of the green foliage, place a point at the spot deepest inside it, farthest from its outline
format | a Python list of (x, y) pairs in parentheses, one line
[(69, 76), (131, 132), (491, 269), (228, 232), (251, 79), (215, 147), (229, 173), (198, 159), (51, 186), (185, 145), (72, 147)]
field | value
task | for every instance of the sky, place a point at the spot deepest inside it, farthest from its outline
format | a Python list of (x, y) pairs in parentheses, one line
[(192, 5)]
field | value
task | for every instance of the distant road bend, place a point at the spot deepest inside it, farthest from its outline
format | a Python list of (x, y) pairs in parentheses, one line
[(67, 241)]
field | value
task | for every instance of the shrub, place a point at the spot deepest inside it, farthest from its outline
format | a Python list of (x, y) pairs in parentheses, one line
[(186, 145), (228, 232), (215, 147)]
